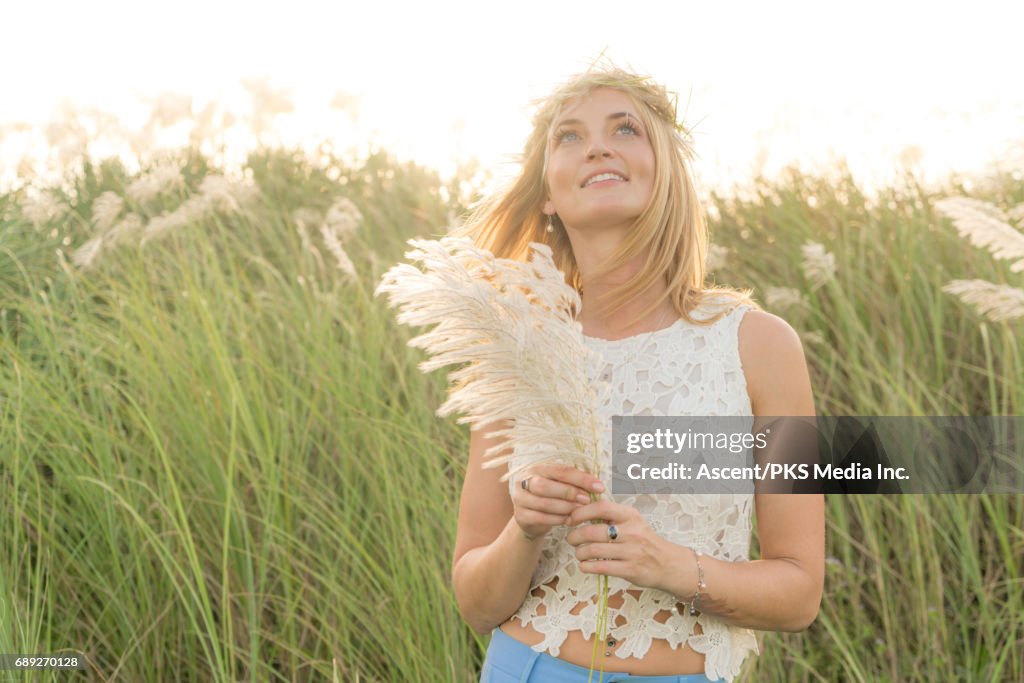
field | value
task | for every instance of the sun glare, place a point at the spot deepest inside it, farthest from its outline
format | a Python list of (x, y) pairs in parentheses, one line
[(801, 98)]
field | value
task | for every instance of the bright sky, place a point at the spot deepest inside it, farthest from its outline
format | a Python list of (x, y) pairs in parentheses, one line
[(765, 83)]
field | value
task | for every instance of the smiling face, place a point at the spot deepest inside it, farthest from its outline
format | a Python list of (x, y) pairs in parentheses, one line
[(600, 168)]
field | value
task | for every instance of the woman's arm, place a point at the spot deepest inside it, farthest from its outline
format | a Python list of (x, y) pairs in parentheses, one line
[(782, 591), (494, 556)]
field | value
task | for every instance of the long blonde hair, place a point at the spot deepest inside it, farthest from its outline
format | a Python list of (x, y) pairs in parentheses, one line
[(672, 228)]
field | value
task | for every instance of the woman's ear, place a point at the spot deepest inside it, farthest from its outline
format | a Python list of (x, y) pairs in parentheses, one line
[(549, 208)]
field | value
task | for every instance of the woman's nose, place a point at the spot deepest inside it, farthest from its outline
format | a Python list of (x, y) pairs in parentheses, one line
[(597, 149)]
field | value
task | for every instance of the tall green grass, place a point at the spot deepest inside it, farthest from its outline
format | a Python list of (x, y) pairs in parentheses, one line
[(219, 461)]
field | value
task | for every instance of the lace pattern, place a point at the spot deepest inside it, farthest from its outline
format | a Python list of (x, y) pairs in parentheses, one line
[(683, 369)]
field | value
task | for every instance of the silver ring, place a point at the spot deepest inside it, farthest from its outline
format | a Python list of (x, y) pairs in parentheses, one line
[(613, 533), (525, 483)]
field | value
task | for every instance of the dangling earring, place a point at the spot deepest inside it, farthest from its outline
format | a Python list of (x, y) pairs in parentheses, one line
[(551, 227)]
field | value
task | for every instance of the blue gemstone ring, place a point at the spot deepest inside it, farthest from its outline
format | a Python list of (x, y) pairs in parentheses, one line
[(613, 533)]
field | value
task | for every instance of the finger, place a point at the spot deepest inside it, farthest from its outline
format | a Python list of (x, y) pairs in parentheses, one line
[(592, 533), (585, 481), (602, 548), (598, 551), (534, 518), (532, 501), (607, 568), (604, 510), (541, 485)]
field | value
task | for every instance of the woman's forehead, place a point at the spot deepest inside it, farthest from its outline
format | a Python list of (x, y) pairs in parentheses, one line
[(599, 97)]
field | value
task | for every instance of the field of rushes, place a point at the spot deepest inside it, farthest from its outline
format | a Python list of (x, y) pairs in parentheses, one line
[(219, 461)]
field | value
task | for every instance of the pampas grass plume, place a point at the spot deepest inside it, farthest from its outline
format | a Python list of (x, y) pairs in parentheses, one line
[(512, 326), (983, 224), (105, 211), (784, 297), (819, 266), (996, 302)]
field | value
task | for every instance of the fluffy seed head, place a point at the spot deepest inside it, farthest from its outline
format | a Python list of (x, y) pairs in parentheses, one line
[(784, 297), (983, 224), (159, 180), (42, 208), (819, 266), (334, 246), (105, 211), (995, 302), (86, 254), (512, 325), (343, 217)]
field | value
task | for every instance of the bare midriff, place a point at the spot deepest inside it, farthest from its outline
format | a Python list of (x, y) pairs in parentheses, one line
[(660, 660)]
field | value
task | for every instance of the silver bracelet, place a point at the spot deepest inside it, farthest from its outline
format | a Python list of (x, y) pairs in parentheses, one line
[(701, 586)]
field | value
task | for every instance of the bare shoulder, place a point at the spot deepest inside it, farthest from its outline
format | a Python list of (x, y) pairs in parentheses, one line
[(763, 334), (774, 364)]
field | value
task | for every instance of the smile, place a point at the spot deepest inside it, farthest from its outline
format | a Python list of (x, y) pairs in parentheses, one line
[(600, 177)]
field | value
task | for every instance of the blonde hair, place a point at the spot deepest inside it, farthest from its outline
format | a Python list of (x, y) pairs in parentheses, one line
[(671, 228)]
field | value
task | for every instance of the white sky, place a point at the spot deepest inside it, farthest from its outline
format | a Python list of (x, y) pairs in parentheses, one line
[(806, 81)]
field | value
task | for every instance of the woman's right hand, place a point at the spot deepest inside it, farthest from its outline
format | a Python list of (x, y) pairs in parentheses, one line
[(551, 493)]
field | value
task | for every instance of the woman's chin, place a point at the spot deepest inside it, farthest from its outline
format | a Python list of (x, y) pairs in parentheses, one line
[(610, 218)]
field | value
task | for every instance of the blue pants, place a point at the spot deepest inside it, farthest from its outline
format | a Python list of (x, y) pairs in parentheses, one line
[(509, 661)]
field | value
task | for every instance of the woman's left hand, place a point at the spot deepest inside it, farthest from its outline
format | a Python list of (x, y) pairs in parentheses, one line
[(636, 554)]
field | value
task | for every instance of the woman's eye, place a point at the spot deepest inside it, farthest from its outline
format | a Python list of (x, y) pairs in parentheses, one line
[(566, 136), (628, 127)]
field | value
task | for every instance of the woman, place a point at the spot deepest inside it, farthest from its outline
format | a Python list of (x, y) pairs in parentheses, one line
[(606, 183)]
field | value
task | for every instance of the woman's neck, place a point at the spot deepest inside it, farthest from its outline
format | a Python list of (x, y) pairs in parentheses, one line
[(644, 312), (593, 249)]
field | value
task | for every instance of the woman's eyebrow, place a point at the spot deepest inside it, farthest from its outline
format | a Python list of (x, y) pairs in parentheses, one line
[(616, 115)]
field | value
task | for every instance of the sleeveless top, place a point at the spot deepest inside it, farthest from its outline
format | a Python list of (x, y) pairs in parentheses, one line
[(683, 369)]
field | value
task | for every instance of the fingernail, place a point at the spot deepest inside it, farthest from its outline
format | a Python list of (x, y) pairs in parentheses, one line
[(597, 486), (583, 499)]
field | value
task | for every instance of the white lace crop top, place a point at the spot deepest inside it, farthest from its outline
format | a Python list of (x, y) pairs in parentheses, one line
[(683, 369)]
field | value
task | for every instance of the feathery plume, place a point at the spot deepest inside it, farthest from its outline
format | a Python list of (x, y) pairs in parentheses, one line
[(66, 134), (983, 224), (1016, 214), (970, 204), (303, 221), (156, 181), (995, 302), (223, 194), (267, 103), (334, 246), (783, 297), (812, 337), (306, 217), (169, 221), (718, 256), (86, 254), (129, 225), (819, 266), (216, 193), (43, 208), (343, 217), (105, 210), (512, 325), (203, 128)]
